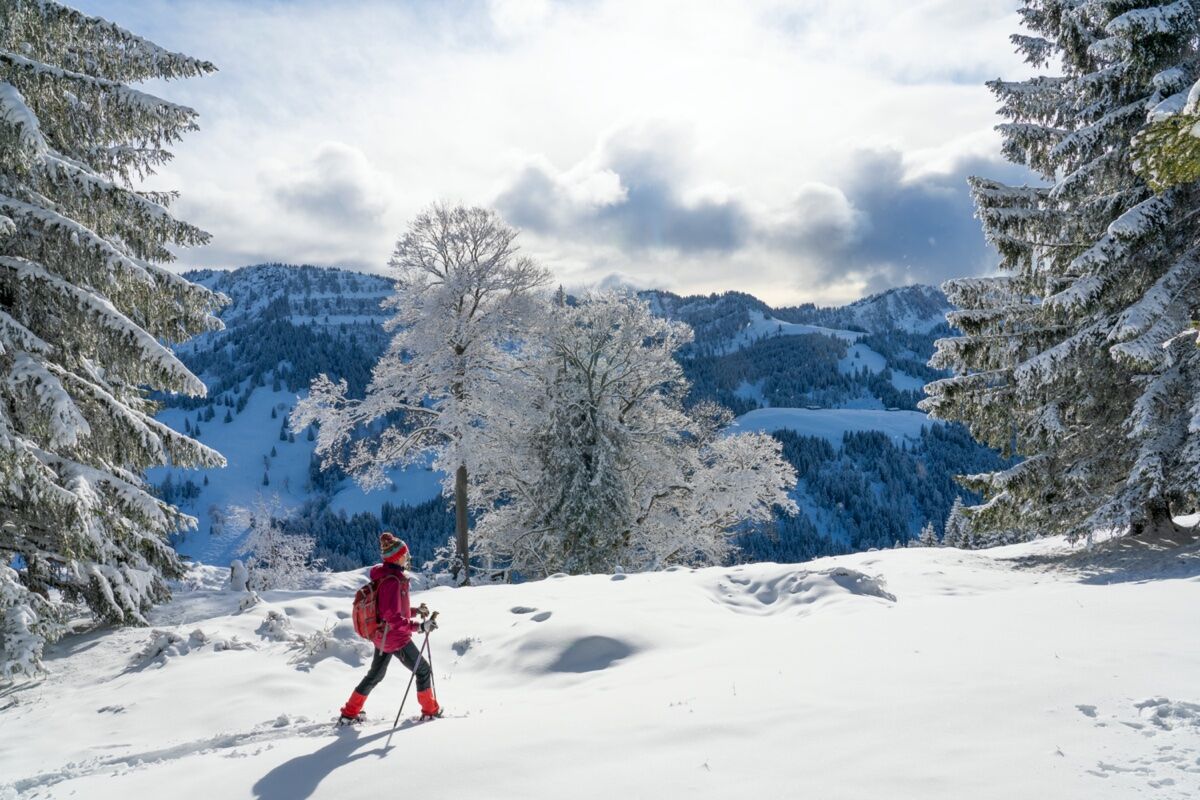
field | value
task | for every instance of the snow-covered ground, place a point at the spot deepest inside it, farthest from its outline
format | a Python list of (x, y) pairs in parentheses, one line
[(1021, 672), (832, 423), (858, 357)]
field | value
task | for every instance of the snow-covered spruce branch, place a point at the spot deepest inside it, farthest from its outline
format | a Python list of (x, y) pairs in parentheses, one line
[(146, 360), (43, 28)]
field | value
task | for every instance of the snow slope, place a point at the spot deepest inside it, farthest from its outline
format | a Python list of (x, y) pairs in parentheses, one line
[(859, 356), (762, 326), (833, 423), (919, 673), (246, 442)]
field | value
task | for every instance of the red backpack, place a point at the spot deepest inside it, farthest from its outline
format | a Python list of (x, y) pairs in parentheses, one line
[(366, 610)]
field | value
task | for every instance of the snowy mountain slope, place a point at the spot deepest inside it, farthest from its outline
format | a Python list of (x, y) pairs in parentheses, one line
[(316, 290), (761, 326), (832, 424), (914, 673), (916, 309), (835, 376), (284, 325), (724, 322), (248, 442)]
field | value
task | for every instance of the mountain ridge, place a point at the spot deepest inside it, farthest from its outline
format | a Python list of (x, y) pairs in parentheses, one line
[(287, 323)]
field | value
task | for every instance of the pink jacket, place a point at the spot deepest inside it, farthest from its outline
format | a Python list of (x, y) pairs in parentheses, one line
[(395, 614)]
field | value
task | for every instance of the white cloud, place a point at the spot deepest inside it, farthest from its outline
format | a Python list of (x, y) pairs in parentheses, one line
[(516, 18)]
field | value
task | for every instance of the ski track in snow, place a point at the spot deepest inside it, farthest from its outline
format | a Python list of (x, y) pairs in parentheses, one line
[(267, 733), (114, 764)]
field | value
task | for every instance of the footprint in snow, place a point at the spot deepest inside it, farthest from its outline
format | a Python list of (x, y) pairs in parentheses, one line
[(1170, 757), (461, 647)]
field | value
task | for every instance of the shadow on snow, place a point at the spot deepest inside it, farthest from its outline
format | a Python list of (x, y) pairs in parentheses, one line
[(299, 778)]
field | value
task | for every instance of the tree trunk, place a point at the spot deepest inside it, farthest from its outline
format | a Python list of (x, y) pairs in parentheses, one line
[(460, 524)]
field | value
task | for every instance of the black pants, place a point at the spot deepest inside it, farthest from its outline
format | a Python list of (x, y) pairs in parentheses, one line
[(409, 655)]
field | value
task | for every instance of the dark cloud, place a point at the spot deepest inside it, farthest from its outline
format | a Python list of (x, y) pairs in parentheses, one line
[(337, 187), (642, 207), (533, 201), (878, 225), (888, 229)]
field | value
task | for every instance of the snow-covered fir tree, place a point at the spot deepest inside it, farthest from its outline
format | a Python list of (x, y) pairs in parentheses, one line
[(1073, 358), (928, 537), (957, 526), (86, 312), (277, 560), (463, 298), (596, 465)]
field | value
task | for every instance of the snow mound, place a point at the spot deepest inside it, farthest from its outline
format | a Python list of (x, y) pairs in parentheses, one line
[(1167, 715), (165, 645), (338, 641), (276, 627), (751, 590)]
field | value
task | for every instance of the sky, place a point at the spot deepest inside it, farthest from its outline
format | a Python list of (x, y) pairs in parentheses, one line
[(805, 151)]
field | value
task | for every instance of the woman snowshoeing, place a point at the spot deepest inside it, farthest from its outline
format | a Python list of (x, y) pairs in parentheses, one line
[(397, 624)]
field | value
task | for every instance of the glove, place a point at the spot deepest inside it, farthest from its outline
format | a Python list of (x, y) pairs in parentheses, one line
[(428, 625), (421, 610)]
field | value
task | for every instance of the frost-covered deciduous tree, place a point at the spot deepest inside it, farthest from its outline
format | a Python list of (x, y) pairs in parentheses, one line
[(86, 311), (277, 560), (1073, 358), (463, 299), (595, 463)]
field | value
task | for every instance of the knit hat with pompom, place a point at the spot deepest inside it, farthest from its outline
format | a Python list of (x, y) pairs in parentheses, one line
[(394, 550)]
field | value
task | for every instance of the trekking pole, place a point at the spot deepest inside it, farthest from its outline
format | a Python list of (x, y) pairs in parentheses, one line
[(400, 710), (429, 658)]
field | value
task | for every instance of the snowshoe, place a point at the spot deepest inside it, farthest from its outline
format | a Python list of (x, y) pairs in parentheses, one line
[(358, 719), (437, 715)]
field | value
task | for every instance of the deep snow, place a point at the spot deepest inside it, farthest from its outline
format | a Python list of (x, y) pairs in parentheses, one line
[(918, 673)]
